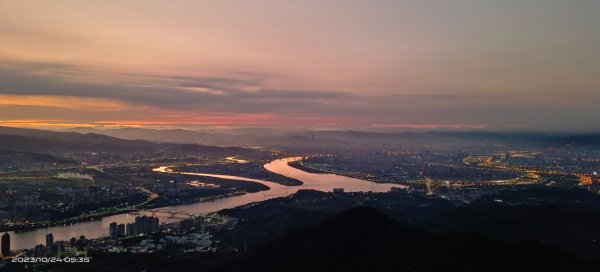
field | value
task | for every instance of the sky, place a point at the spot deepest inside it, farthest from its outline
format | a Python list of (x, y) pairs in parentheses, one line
[(510, 64)]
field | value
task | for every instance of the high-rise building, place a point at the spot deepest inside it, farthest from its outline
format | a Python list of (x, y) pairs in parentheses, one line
[(131, 229), (142, 224), (112, 230), (153, 224), (121, 230), (49, 243), (145, 224), (139, 224), (5, 245)]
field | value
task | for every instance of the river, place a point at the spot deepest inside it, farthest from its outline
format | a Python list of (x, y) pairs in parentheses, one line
[(99, 228)]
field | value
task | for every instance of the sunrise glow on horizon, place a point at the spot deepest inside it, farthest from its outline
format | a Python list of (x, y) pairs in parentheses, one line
[(300, 64)]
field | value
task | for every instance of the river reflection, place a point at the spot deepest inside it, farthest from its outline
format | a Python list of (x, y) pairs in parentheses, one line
[(99, 228)]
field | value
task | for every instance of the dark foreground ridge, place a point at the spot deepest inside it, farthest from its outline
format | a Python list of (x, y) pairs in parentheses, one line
[(358, 239), (363, 239)]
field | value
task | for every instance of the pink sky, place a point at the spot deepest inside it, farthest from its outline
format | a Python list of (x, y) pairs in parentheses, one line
[(338, 64)]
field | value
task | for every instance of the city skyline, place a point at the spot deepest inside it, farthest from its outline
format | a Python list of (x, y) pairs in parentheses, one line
[(520, 65)]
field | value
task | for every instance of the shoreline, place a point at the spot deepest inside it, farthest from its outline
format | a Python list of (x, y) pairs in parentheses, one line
[(147, 204), (300, 166), (126, 211), (324, 183)]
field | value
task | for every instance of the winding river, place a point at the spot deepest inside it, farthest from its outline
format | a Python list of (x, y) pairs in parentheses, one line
[(99, 228)]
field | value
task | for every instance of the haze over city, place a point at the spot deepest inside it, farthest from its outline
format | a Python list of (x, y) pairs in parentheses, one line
[(305, 135), (521, 65)]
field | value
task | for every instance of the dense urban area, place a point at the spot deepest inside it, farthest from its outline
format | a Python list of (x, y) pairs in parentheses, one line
[(441, 182)]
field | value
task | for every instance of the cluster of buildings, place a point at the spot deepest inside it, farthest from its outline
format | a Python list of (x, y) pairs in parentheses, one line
[(192, 234), (403, 166), (143, 224), (199, 240), (49, 249), (462, 195), (21, 205)]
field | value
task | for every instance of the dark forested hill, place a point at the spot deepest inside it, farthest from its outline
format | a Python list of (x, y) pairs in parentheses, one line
[(363, 239)]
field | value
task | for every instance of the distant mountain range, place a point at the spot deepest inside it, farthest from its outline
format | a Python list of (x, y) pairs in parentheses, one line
[(180, 140), (279, 138), (167, 135), (231, 137), (42, 141)]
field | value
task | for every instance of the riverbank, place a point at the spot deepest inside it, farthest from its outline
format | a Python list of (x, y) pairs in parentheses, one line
[(300, 166), (154, 204), (254, 170), (39, 226), (303, 167), (99, 228)]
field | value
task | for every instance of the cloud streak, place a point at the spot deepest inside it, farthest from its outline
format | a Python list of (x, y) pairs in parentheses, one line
[(339, 63), (228, 101), (228, 94)]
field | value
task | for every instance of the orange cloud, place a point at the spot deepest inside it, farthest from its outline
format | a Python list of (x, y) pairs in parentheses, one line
[(189, 119), (67, 102), (35, 123)]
